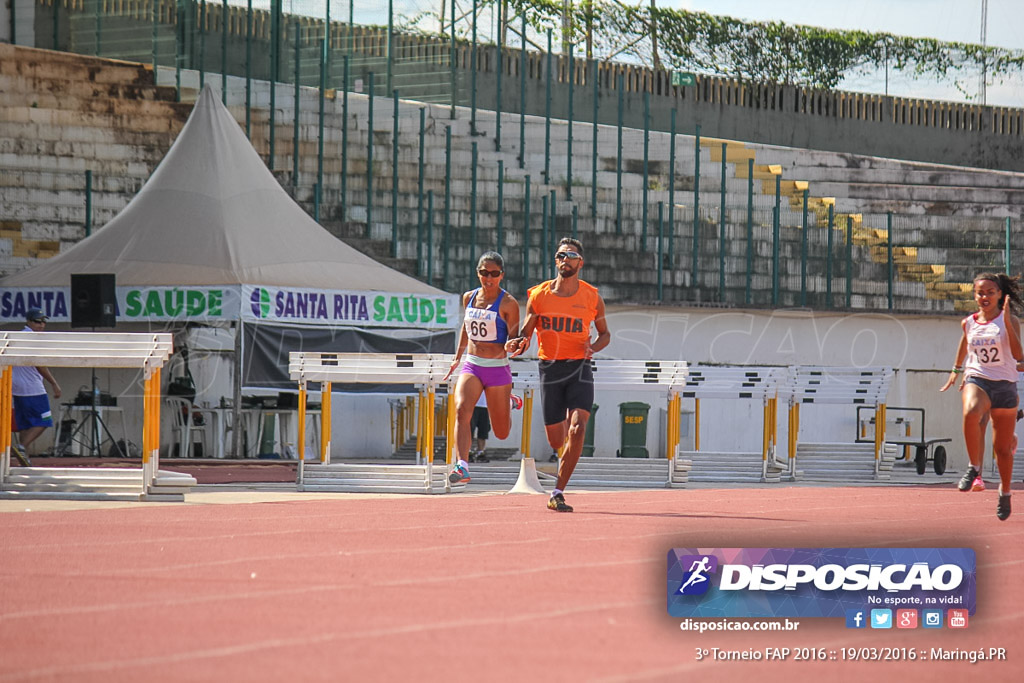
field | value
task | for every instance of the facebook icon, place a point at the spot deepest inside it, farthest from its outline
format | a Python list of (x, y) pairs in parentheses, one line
[(856, 618)]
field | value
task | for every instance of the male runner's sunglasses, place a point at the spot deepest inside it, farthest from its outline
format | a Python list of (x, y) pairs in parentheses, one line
[(489, 273), (562, 255)]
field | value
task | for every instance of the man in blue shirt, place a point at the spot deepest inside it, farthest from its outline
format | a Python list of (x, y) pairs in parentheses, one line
[(31, 406)]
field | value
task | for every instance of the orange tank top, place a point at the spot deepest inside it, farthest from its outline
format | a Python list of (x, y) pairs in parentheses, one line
[(563, 322)]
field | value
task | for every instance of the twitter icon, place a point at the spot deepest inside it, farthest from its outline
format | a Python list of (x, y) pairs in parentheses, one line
[(881, 618)]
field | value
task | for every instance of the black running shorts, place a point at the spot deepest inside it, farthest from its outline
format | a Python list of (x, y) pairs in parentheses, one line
[(565, 385)]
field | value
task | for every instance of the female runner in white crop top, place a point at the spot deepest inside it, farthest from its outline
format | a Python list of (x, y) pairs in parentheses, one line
[(987, 356)]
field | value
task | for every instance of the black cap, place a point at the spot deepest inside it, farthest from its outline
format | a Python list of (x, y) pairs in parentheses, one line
[(36, 315)]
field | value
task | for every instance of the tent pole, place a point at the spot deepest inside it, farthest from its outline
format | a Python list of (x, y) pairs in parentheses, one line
[(236, 413)]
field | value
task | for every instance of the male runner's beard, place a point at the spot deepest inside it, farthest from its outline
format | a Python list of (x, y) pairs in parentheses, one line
[(567, 270)]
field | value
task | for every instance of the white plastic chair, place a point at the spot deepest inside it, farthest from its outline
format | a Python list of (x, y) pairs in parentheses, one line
[(184, 429)]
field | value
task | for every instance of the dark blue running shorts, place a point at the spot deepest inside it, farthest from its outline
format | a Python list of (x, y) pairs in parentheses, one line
[(1001, 393)]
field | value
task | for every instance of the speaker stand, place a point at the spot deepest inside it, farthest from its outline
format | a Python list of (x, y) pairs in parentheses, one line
[(94, 418)]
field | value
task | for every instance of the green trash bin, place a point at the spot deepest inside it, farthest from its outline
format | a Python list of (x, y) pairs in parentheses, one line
[(588, 437), (634, 430), (268, 442)]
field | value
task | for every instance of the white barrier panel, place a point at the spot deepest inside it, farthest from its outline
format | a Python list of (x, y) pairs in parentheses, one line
[(828, 385), (144, 351), (370, 368), (611, 373), (428, 371), (85, 349), (815, 384), (732, 383), (639, 373), (798, 384)]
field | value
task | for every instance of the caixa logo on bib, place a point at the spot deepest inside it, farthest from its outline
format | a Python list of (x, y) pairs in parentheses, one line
[(816, 582)]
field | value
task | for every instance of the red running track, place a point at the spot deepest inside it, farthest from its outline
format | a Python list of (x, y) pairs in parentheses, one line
[(462, 587)]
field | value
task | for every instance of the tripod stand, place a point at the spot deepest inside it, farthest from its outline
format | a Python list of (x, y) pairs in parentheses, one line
[(95, 420)]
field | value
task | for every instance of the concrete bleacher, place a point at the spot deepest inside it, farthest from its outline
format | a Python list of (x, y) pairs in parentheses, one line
[(843, 463), (65, 114)]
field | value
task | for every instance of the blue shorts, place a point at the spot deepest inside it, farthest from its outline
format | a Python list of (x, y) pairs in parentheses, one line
[(1001, 394), (32, 411)]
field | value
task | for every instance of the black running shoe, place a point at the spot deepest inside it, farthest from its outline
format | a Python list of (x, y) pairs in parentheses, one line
[(1003, 506), (558, 504), (967, 480)]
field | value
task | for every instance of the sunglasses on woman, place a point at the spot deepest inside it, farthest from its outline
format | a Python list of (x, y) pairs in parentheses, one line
[(483, 272), (562, 255)]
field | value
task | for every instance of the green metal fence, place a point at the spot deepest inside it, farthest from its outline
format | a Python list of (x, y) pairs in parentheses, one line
[(664, 222), (833, 261)]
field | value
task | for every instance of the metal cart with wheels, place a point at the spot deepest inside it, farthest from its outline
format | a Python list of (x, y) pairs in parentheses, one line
[(921, 445)]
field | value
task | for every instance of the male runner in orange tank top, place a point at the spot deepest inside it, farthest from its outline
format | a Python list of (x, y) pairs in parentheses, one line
[(562, 311)]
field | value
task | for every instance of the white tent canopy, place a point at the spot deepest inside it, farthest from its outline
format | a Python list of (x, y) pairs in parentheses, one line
[(213, 214), (213, 225)]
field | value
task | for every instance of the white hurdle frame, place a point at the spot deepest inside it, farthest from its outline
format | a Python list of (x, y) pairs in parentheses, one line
[(145, 351), (616, 374), (798, 384), (424, 370), (740, 382), (837, 385), (669, 375), (427, 371)]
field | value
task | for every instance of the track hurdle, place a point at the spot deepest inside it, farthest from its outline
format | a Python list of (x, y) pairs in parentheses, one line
[(732, 383), (835, 385), (142, 351), (426, 371)]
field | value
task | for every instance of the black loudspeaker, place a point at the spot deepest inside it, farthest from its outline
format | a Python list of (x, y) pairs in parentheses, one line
[(93, 300)]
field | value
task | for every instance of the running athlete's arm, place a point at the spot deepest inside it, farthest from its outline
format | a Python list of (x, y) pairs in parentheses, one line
[(463, 339), (958, 365), (604, 337), (515, 346), (510, 313), (1012, 330)]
